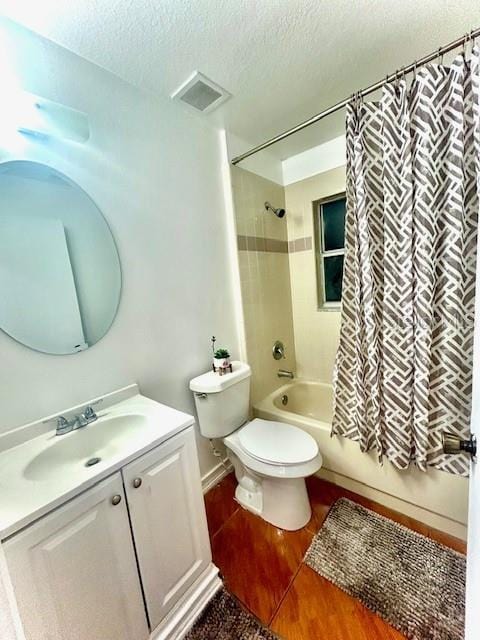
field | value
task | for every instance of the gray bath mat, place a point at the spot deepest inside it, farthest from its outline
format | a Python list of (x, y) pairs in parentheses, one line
[(225, 619), (412, 582)]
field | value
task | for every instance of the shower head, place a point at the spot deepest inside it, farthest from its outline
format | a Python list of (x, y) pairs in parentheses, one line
[(278, 212)]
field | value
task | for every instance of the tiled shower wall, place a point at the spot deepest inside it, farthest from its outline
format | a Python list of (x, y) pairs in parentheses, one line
[(316, 332), (278, 278), (265, 278)]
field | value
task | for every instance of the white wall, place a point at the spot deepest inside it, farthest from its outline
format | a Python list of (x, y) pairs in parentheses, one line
[(323, 157), (264, 163), (155, 172), (318, 159)]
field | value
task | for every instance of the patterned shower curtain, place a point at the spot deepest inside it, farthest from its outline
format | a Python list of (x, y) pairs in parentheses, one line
[(403, 371)]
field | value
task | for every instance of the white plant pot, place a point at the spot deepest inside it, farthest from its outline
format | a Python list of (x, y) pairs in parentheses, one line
[(221, 363)]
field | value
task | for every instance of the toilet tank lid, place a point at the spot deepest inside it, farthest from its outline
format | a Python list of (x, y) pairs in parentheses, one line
[(211, 382)]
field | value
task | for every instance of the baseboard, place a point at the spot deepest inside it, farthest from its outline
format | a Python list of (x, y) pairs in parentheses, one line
[(179, 621), (432, 519), (213, 477)]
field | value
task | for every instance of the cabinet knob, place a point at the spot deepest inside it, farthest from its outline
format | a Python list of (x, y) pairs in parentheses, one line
[(137, 483), (116, 499)]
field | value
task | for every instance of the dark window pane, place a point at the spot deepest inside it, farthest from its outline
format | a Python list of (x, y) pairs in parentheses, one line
[(334, 224), (333, 270)]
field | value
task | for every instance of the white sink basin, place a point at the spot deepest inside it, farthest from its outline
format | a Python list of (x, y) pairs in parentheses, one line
[(40, 470), (102, 439)]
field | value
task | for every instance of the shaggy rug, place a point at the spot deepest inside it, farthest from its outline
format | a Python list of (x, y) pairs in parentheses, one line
[(225, 619), (412, 582)]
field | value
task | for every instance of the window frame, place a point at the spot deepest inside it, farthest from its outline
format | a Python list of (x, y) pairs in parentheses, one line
[(321, 253)]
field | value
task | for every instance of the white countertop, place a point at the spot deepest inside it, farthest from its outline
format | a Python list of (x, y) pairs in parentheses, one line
[(26, 495)]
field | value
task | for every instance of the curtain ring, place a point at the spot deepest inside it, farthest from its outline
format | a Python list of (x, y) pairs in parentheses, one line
[(414, 69), (471, 41), (440, 55), (398, 74)]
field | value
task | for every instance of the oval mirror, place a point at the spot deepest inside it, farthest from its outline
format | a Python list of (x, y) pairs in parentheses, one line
[(60, 277)]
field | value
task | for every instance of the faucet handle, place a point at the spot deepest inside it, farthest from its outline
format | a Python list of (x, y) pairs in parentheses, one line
[(86, 417), (63, 426), (89, 413)]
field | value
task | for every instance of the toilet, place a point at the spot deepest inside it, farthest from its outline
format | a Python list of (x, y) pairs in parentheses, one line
[(271, 459)]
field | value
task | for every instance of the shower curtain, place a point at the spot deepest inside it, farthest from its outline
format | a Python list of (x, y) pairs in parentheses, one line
[(403, 371)]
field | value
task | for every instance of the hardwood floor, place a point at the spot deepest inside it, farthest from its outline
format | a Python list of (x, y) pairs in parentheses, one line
[(262, 566)]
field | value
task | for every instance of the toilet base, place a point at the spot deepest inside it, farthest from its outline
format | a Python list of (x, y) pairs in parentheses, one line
[(283, 502)]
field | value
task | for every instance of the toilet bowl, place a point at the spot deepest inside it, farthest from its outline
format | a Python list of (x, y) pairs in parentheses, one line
[(271, 459)]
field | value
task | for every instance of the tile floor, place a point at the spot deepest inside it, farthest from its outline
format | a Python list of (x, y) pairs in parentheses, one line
[(262, 566)]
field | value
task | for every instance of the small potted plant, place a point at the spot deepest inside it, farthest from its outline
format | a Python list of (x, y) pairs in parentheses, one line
[(221, 359)]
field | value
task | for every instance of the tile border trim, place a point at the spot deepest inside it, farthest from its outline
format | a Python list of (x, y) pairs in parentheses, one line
[(300, 244), (271, 245)]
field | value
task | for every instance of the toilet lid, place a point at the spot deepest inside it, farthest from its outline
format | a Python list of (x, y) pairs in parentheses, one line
[(277, 442)]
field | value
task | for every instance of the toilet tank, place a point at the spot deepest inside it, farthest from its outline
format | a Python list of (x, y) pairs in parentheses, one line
[(222, 402)]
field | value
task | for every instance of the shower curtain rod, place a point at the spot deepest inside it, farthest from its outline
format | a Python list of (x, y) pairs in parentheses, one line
[(373, 87)]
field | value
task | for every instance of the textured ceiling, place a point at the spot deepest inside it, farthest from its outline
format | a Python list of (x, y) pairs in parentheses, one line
[(283, 60)]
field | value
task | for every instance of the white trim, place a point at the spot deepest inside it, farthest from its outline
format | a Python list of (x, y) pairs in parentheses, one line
[(435, 520), (265, 164), (215, 475), (324, 157), (181, 618), (232, 248)]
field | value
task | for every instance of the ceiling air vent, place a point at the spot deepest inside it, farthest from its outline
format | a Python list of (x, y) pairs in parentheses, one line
[(201, 93)]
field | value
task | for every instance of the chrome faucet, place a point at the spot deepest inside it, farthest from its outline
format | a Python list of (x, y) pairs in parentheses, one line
[(63, 426), (77, 422), (87, 416), (283, 373)]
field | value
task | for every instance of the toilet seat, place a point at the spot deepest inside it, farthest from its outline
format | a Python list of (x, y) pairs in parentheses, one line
[(277, 443), (264, 466)]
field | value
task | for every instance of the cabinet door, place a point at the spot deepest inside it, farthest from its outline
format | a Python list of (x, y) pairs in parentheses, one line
[(74, 571), (167, 512)]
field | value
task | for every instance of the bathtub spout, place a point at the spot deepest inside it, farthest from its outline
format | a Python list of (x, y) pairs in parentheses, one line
[(283, 373)]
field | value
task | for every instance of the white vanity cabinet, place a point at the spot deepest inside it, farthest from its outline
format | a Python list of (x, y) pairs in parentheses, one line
[(74, 571), (168, 520), (78, 573)]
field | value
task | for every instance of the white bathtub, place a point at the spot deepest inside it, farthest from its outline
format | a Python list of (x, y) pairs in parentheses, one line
[(305, 403), (435, 497)]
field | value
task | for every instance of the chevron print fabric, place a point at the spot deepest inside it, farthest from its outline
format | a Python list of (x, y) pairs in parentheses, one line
[(403, 371)]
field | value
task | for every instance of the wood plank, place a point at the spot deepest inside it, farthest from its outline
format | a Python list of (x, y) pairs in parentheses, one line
[(220, 503), (258, 561), (315, 609)]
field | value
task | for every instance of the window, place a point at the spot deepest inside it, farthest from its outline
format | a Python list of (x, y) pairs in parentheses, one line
[(329, 219)]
